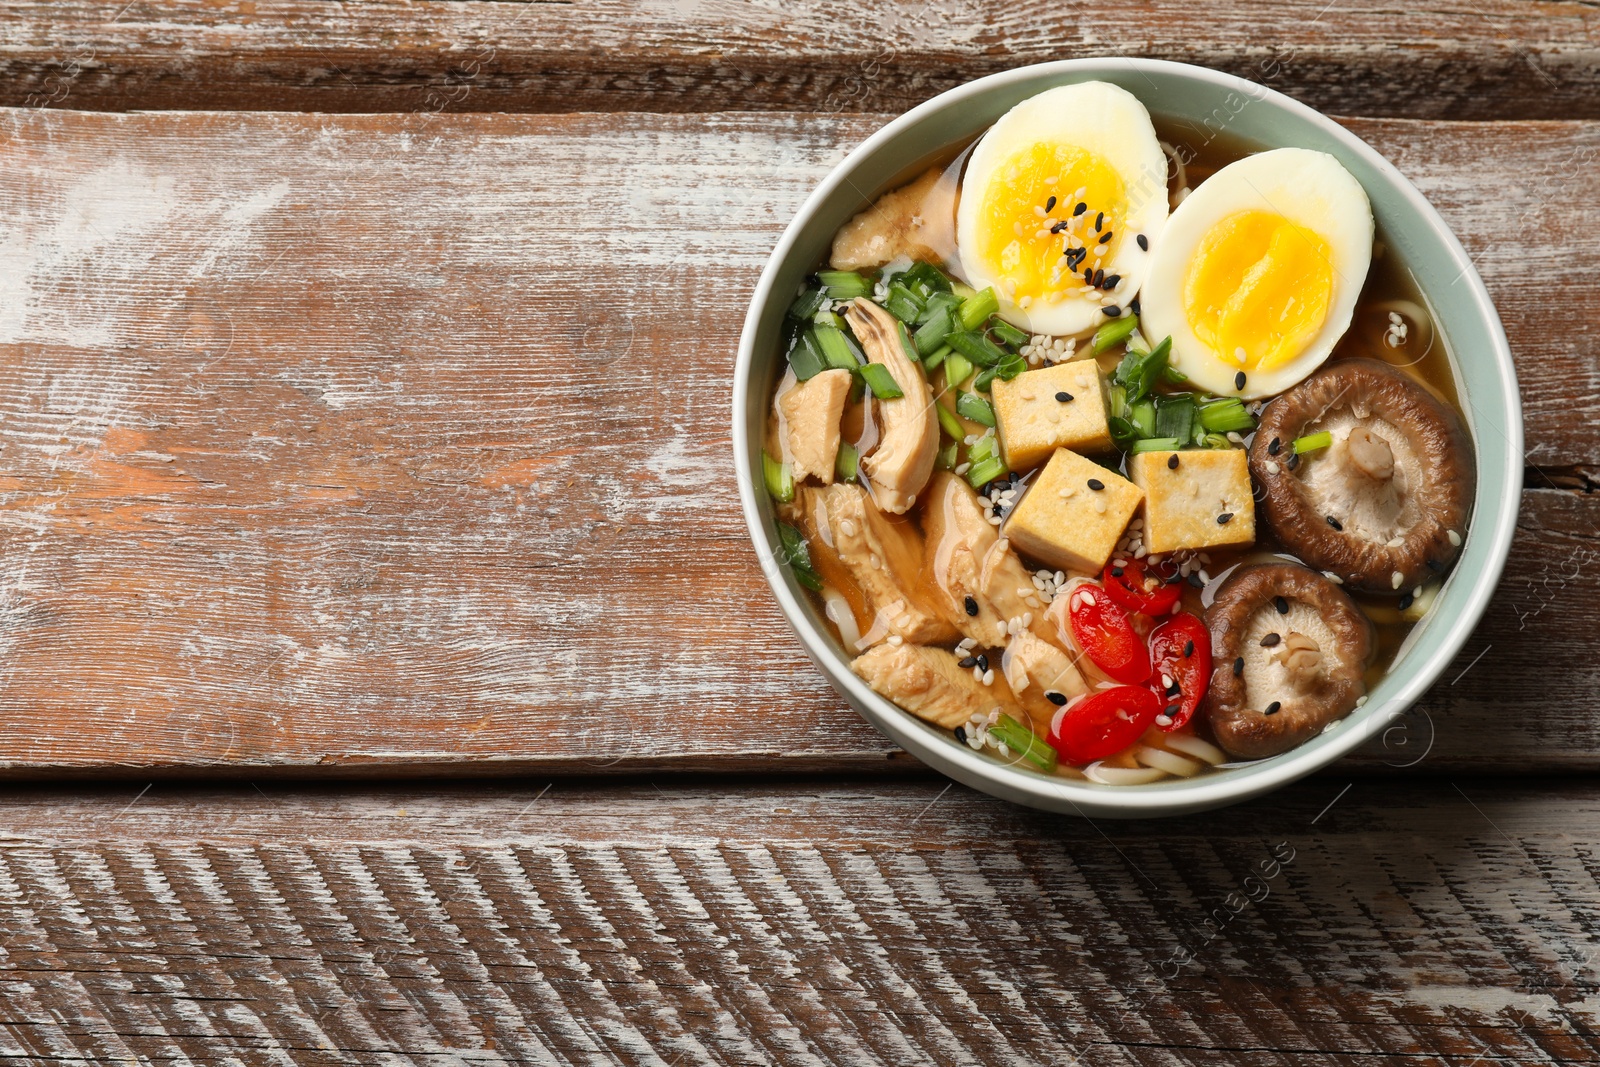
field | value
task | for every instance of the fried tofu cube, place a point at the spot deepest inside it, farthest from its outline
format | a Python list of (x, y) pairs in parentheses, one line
[(1065, 521), (1034, 420), (1195, 499)]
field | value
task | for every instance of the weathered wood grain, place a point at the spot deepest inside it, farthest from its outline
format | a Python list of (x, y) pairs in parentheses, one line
[(401, 442), (1440, 59), (846, 923)]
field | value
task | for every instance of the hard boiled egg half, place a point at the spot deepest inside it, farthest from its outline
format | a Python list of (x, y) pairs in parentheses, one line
[(1258, 271), (1061, 202)]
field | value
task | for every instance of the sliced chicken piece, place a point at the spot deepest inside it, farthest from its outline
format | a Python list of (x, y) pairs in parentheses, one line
[(916, 221), (978, 586), (811, 412), (1042, 677), (908, 440), (931, 684), (882, 556)]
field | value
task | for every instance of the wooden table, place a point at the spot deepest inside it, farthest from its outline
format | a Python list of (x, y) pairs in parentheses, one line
[(364, 406)]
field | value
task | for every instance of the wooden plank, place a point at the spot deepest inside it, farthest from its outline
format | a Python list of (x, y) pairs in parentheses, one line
[(1441, 59), (828, 923), (384, 443)]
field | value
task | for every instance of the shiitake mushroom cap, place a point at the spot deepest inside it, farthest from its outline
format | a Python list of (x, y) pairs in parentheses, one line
[(1325, 510)]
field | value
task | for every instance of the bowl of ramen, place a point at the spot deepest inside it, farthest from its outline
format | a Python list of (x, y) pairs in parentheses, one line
[(1124, 438)]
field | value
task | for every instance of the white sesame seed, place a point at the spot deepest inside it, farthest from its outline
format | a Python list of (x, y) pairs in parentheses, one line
[(1163, 720), (896, 640), (1361, 701), (1455, 538), (977, 674), (988, 677), (1396, 580), (1332, 577)]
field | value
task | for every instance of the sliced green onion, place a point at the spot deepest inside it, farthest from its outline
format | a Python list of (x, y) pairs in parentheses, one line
[(1121, 429), (1226, 415), (982, 472), (1008, 333), (1174, 417), (1117, 401), (798, 557), (985, 379), (907, 345), (928, 276), (880, 381), (945, 459), (807, 304), (949, 423), (985, 447), (1312, 442), (1155, 444), (1024, 742), (1216, 440), (1011, 366), (1114, 333), (843, 284), (836, 348), (805, 357), (779, 479), (941, 302), (1143, 416), (932, 363), (957, 369), (846, 463), (975, 310), (903, 304), (829, 318), (1138, 371), (962, 289), (1173, 376), (976, 347), (931, 335), (974, 407)]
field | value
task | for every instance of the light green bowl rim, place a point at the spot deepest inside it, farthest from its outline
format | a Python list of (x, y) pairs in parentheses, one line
[(1480, 357)]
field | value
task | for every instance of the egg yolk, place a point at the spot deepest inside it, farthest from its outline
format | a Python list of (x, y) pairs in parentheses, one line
[(1033, 238), (1258, 288)]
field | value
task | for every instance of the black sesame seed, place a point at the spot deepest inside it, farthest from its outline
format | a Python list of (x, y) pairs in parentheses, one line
[(1225, 518), (968, 662), (1174, 689), (1111, 310), (1435, 565), (1099, 279), (1088, 276), (1294, 460), (1188, 649), (983, 663), (1274, 447), (1133, 305), (1056, 698), (1194, 580), (1281, 604), (961, 734), (1171, 710), (1064, 397), (1144, 245), (1059, 226), (1270, 640), (1105, 237), (999, 509), (1050, 205), (1238, 380), (1172, 462), (1111, 281), (1096, 484), (1238, 666), (1406, 601), (971, 605), (1099, 221), (1272, 708), (1335, 523), (1079, 210)]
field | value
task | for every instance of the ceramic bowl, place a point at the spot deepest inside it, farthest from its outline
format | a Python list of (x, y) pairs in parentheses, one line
[(1209, 101)]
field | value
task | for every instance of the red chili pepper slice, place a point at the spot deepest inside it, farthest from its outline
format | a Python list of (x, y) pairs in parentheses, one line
[(1105, 723), (1135, 587), (1180, 648), (1103, 632)]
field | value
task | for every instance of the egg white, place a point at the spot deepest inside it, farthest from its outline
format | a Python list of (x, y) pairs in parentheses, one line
[(1310, 189), (1096, 117)]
